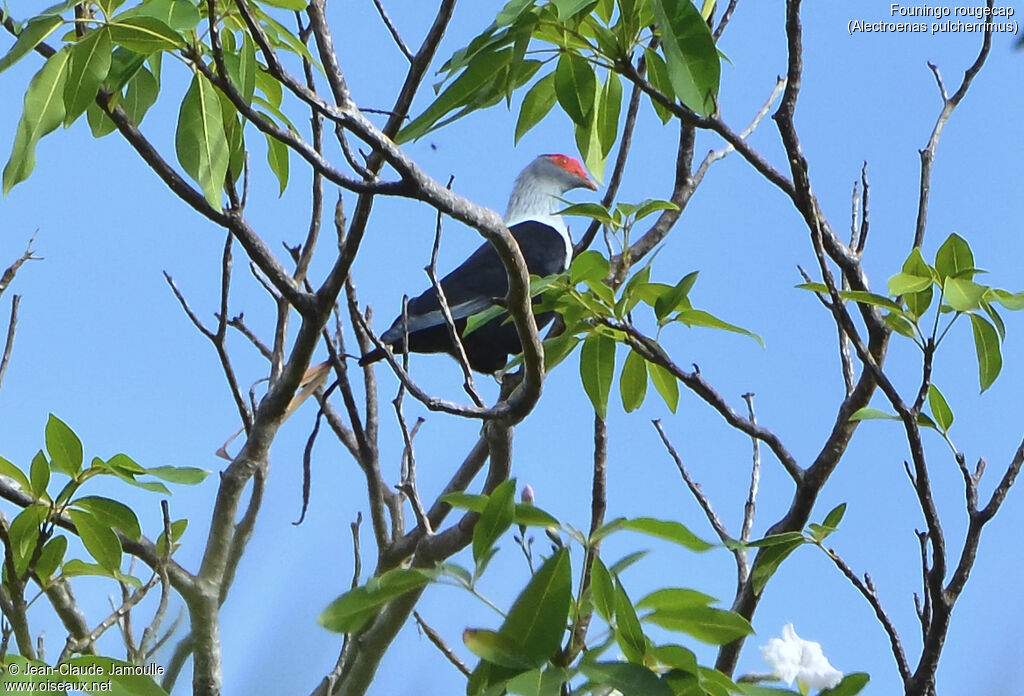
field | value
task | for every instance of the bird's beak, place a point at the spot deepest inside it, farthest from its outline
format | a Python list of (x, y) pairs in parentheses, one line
[(590, 184)]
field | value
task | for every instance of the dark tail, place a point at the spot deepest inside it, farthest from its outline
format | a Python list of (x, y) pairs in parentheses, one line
[(371, 357)]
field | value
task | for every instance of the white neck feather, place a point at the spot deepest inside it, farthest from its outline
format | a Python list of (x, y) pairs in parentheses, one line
[(538, 199)]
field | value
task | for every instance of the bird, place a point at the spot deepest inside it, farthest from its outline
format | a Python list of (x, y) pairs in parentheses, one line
[(481, 280)]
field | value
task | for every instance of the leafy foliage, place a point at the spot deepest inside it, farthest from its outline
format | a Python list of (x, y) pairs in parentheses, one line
[(577, 42), (951, 277), (36, 546)]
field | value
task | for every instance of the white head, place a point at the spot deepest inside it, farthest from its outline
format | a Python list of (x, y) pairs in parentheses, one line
[(538, 188)]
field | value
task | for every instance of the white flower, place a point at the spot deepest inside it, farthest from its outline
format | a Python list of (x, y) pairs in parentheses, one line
[(793, 658)]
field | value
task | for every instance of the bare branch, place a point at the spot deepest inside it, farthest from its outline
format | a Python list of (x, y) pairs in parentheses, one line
[(453, 331), (949, 104), (867, 589), (12, 327), (698, 492), (397, 37), (7, 277), (750, 507), (441, 645)]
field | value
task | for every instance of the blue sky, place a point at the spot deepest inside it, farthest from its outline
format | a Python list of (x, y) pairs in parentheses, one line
[(103, 344)]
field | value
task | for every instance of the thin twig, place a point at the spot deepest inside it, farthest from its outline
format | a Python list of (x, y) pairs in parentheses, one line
[(441, 645), (449, 321), (394, 32), (12, 327), (698, 492), (867, 589), (949, 104), (750, 507)]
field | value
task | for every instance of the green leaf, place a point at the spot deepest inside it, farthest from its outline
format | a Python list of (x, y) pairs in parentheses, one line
[(122, 463), (129, 683), (477, 76), (914, 282), (602, 588), (633, 381), (536, 620), (575, 87), (631, 293), (143, 90), (144, 35), (868, 413), (24, 534), (75, 567), (899, 324), (597, 367), (757, 690), (708, 625), (954, 259), (351, 610), (44, 111), (181, 15), (495, 519), (626, 561), (64, 447), (34, 33), (676, 297), (698, 317), (11, 471), (626, 678), (652, 205), (536, 682), (657, 75), (835, 516), (678, 657), (963, 295), (124, 64), (996, 319), (277, 158), (588, 140), (851, 685), (986, 343), (178, 528), (662, 529), (512, 10), (466, 501), (1012, 301), (296, 5), (941, 411), (769, 560), (111, 513), (591, 210), (51, 557), (861, 296), (200, 139), (184, 475), (39, 473), (567, 9), (672, 598), (666, 384), (99, 539), (529, 515), (271, 88), (904, 283), (536, 105), (628, 632), (89, 63), (497, 648), (590, 265), (693, 64), (242, 68), (608, 114)]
